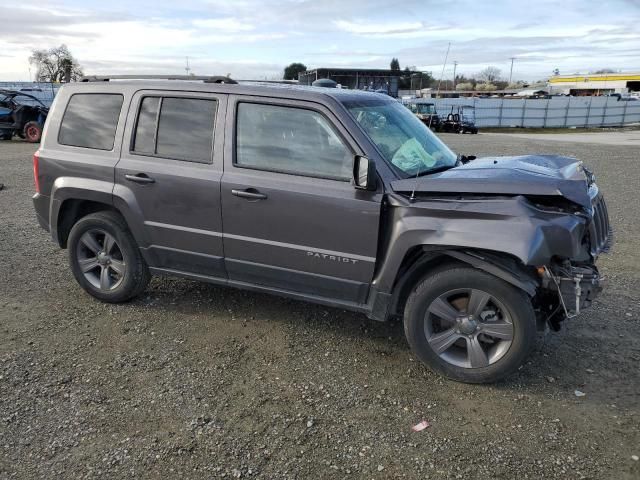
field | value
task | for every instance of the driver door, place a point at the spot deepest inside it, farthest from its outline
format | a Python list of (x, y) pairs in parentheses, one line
[(292, 220)]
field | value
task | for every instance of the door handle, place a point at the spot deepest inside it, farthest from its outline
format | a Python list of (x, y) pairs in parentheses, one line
[(139, 178), (249, 194)]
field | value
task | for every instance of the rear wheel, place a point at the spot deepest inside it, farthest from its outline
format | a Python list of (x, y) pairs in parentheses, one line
[(32, 132), (105, 258), (469, 326)]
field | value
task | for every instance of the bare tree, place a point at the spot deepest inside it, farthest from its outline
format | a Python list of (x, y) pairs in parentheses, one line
[(52, 64), (490, 74)]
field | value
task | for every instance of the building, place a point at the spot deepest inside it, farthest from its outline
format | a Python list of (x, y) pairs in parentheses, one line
[(357, 78), (594, 84)]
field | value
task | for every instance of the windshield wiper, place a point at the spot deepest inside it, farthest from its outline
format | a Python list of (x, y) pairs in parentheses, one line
[(442, 168)]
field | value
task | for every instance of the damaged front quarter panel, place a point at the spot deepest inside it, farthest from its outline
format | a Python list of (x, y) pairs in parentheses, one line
[(504, 224)]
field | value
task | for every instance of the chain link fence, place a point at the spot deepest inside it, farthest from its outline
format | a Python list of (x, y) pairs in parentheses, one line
[(556, 112)]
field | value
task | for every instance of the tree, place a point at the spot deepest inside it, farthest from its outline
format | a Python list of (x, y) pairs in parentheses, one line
[(605, 70), (486, 87), (490, 74), (395, 64), (464, 86), (51, 64), (421, 80), (292, 71), (462, 79)]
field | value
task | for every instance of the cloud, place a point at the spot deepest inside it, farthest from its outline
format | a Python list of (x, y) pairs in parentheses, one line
[(260, 37), (223, 24)]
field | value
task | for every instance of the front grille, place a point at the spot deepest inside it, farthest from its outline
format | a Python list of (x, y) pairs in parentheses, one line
[(600, 233)]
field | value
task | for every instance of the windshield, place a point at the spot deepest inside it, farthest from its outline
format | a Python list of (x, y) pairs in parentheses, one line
[(403, 140)]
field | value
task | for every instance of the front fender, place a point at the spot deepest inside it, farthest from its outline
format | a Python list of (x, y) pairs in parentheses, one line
[(509, 225)]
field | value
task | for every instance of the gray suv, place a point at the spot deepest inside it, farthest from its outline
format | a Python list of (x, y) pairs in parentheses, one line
[(337, 197)]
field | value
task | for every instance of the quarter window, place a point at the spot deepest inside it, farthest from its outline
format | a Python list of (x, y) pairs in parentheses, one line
[(182, 131), (90, 120), (290, 140)]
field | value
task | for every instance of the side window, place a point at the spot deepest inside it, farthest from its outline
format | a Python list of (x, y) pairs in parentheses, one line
[(290, 140), (182, 131), (145, 139), (90, 120)]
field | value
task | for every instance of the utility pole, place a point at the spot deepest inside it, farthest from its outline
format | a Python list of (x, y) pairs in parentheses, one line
[(511, 71), (187, 68), (455, 66)]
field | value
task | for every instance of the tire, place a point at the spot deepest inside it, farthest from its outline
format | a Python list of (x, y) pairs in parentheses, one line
[(127, 274), (508, 312), (32, 132)]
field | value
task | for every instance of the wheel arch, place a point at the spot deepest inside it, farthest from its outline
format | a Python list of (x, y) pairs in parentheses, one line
[(73, 209), (422, 259), (73, 198)]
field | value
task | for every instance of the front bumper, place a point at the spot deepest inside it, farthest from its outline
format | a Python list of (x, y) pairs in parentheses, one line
[(577, 287)]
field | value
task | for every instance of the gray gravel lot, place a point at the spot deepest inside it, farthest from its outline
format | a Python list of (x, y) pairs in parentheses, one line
[(197, 381)]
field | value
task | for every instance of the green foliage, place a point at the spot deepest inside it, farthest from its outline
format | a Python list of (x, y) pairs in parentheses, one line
[(395, 64), (292, 71)]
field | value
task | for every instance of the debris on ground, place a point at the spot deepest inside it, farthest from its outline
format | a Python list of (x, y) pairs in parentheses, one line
[(418, 427), (578, 393)]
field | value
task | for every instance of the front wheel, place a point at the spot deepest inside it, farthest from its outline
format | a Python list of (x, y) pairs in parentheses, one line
[(105, 258), (469, 326)]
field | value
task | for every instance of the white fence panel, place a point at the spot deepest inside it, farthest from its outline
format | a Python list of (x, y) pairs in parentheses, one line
[(556, 112)]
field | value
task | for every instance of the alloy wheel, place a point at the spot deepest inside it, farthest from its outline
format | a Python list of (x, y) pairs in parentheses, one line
[(100, 259), (468, 328)]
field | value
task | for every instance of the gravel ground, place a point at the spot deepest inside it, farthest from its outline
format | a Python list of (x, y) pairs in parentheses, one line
[(197, 381)]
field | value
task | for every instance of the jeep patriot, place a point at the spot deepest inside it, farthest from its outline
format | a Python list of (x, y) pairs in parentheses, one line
[(338, 197)]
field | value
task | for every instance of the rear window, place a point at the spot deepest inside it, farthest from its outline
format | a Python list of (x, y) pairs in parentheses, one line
[(182, 131), (90, 120)]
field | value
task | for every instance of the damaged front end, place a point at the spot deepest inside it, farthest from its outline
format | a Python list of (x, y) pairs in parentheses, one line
[(568, 286), (545, 211)]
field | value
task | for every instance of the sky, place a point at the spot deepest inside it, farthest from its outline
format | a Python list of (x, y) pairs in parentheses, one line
[(256, 39)]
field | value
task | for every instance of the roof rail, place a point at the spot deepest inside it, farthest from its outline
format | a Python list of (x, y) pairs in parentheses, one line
[(203, 78)]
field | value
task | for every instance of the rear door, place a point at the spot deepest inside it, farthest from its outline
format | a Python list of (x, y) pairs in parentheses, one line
[(292, 220), (168, 179)]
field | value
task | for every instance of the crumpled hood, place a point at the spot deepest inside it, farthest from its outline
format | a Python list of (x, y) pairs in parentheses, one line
[(538, 175)]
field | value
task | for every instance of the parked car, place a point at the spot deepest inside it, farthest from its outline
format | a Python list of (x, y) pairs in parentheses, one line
[(461, 119), (426, 113), (21, 114), (338, 197)]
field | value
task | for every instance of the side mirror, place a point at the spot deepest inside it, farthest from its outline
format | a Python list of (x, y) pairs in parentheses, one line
[(364, 173)]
